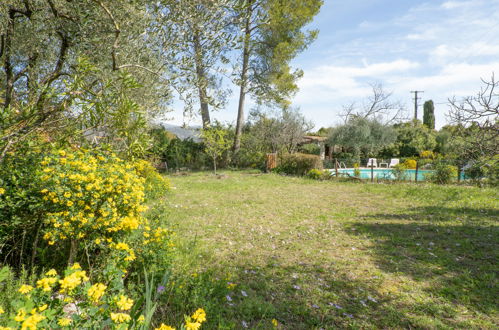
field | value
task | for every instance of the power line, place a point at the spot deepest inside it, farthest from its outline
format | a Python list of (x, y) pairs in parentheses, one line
[(416, 98)]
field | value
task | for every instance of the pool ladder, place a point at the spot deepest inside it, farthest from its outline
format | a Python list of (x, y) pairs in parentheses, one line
[(341, 165)]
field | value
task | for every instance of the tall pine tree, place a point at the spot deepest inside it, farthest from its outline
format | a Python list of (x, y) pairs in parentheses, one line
[(272, 35), (429, 114)]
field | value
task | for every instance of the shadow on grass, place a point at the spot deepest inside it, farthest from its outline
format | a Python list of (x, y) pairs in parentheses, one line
[(303, 296), (439, 213), (456, 262)]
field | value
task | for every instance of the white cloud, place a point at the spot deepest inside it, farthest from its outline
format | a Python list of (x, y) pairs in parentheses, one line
[(455, 4), (330, 81)]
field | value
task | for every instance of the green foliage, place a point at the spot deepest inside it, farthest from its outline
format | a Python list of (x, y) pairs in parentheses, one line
[(65, 91), (399, 171), (216, 143), (194, 37), (268, 132), (272, 36), (310, 148), (429, 114), (362, 137), (413, 138), (444, 174), (484, 171), (356, 170), (298, 164), (21, 205), (315, 174)]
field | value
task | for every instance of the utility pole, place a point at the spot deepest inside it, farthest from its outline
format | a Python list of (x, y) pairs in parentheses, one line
[(416, 98)]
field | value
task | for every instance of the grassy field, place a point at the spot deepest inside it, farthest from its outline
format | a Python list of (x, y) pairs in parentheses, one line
[(256, 247)]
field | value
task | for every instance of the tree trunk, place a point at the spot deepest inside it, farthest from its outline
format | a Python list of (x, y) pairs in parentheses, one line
[(244, 78), (202, 82), (9, 75), (73, 251), (215, 165)]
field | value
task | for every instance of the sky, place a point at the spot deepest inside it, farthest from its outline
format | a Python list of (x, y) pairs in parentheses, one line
[(441, 47)]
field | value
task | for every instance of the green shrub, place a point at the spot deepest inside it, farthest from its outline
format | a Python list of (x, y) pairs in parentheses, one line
[(356, 170), (485, 171), (492, 171), (475, 171), (21, 206), (444, 174), (311, 148), (298, 164), (399, 171), (315, 174)]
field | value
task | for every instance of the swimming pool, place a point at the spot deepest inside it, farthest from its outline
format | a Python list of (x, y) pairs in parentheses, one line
[(385, 173)]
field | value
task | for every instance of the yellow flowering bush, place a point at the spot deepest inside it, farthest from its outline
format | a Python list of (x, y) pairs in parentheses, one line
[(98, 199), (91, 196), (155, 184), (410, 163)]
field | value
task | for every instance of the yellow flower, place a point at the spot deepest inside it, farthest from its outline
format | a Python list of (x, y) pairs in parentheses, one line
[(231, 286), (76, 265), (31, 321), (2, 310), (275, 323), (6, 328), (120, 317), (141, 319), (69, 203), (199, 315), (122, 246), (46, 283), (124, 303), (63, 322), (51, 272), (24, 289), (96, 291), (42, 308), (72, 281), (192, 325), (164, 327), (21, 314), (67, 194), (2, 191)]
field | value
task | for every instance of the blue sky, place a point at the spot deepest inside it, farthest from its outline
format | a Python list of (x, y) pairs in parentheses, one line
[(442, 47)]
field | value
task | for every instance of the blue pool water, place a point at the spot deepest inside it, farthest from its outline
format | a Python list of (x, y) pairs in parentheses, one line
[(385, 173)]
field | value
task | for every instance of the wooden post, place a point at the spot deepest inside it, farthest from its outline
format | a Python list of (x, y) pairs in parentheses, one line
[(336, 166), (417, 170), (271, 161), (372, 172), (458, 172)]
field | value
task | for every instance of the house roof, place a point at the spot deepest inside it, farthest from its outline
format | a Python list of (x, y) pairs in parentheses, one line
[(313, 138), (183, 133)]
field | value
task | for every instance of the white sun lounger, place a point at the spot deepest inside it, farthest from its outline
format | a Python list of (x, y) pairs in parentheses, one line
[(372, 162), (393, 162)]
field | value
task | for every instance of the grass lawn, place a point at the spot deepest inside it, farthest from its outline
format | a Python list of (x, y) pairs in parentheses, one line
[(256, 247)]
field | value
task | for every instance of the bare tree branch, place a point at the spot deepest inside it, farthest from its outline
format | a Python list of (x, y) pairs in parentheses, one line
[(378, 106), (479, 117)]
